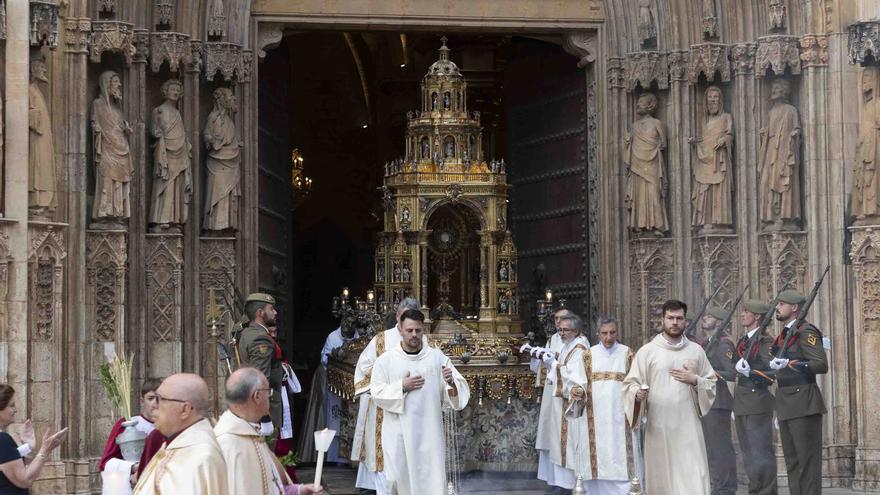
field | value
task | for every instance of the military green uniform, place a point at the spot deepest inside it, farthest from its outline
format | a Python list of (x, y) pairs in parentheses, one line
[(716, 423), (753, 408), (799, 403), (257, 349)]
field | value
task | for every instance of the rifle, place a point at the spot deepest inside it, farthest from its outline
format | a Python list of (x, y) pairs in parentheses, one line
[(803, 310), (765, 322), (714, 341), (689, 331), (239, 298)]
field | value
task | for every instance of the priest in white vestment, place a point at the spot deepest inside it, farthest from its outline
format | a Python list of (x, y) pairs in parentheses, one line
[(550, 415), (600, 443), (672, 384), (332, 404), (412, 383), (190, 461), (252, 467), (570, 327), (366, 446)]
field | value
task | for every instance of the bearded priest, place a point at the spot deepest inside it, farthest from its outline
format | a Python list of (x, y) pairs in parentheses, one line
[(412, 383)]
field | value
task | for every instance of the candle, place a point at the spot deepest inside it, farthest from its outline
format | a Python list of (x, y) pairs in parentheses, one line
[(549, 295), (345, 293), (323, 439), (370, 296)]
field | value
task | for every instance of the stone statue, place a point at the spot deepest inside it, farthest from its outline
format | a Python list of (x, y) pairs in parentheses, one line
[(779, 161), (776, 15), (113, 163), (406, 273), (713, 165), (450, 148), (647, 25), (446, 101), (42, 181), (710, 19), (222, 188), (172, 173), (866, 177), (646, 180)]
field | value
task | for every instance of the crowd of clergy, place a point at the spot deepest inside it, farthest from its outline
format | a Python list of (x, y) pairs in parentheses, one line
[(610, 417)]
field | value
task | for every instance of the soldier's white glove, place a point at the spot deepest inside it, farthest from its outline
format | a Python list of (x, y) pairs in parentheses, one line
[(524, 348), (743, 368), (778, 363), (548, 359)]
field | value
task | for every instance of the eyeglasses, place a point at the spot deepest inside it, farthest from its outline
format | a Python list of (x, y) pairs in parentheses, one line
[(271, 391), (160, 399)]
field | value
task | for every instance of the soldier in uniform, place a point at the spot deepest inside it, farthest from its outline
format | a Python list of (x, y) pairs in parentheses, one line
[(716, 424), (258, 349), (799, 403), (753, 402)]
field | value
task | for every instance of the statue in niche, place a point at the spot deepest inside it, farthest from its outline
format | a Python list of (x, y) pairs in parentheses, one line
[(113, 163), (647, 25), (222, 188), (776, 15), (710, 19), (866, 177), (779, 161), (446, 102), (433, 101), (646, 180), (396, 274), (172, 173), (713, 166), (405, 272), (380, 271), (450, 148), (502, 272), (42, 181), (426, 148)]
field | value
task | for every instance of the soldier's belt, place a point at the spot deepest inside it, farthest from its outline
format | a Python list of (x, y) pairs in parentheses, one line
[(743, 381), (796, 380)]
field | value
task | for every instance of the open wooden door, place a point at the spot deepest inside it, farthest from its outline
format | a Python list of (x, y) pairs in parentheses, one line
[(547, 140)]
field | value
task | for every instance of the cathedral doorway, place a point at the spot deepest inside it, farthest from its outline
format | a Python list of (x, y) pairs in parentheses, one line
[(340, 99)]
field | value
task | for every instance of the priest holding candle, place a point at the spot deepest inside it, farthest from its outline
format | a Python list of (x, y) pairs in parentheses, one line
[(412, 383)]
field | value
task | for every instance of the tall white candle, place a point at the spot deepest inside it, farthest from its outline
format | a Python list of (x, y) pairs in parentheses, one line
[(323, 439)]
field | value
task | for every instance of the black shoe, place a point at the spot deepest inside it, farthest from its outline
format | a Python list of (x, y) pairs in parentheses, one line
[(364, 491)]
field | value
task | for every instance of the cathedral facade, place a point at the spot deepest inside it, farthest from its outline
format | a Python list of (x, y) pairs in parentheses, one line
[(716, 144)]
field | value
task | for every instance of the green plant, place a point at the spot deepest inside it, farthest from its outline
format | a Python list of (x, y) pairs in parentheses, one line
[(110, 386), (289, 459)]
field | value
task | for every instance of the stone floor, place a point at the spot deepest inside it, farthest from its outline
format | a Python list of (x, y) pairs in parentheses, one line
[(340, 481)]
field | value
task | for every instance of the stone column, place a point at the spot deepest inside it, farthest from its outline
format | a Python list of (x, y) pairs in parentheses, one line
[(423, 269), (14, 361), (825, 212), (679, 126), (746, 122), (612, 218), (195, 297)]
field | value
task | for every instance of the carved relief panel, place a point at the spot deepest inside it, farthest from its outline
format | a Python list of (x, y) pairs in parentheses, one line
[(106, 256), (164, 286), (45, 281), (651, 279)]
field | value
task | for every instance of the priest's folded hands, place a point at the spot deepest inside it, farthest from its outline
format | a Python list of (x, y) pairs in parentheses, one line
[(577, 393)]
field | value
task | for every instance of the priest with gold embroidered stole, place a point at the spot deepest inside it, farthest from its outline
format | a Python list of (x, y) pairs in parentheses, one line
[(600, 443), (190, 461), (366, 447), (550, 415), (672, 384), (412, 383), (570, 327)]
